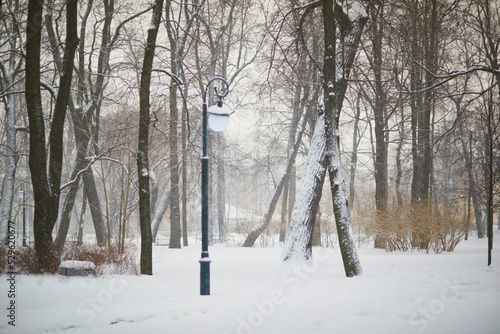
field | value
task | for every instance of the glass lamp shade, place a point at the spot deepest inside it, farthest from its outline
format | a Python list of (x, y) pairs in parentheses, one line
[(218, 118)]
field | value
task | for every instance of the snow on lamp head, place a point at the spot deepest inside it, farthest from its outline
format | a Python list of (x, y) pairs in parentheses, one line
[(218, 117)]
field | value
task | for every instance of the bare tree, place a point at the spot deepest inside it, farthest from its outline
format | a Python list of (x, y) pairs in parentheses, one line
[(337, 64), (10, 69), (46, 183), (143, 142)]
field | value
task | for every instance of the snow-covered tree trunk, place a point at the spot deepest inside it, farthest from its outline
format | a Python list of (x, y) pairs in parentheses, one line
[(325, 149), (337, 66), (308, 197), (257, 231)]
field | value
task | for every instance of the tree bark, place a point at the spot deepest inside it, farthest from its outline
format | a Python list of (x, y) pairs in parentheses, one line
[(337, 66), (221, 189), (297, 242), (184, 189), (9, 72), (46, 181), (146, 260), (379, 110), (161, 208), (175, 215)]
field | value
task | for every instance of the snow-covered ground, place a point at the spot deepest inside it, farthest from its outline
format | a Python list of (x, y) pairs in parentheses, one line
[(253, 292)]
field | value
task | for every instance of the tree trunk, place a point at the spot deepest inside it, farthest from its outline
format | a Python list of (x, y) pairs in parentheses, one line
[(143, 143), (337, 66), (257, 231), (161, 208), (95, 207), (9, 72), (316, 234), (46, 183), (473, 191), (297, 242), (379, 110), (490, 145), (184, 189), (356, 138), (221, 191), (82, 124), (296, 113), (65, 218), (11, 156), (175, 215), (81, 221)]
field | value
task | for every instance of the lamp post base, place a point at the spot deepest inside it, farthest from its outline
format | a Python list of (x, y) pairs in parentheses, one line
[(205, 276)]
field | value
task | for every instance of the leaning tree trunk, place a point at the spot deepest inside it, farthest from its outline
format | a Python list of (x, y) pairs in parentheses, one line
[(95, 206), (161, 208), (337, 66), (257, 231), (326, 139), (308, 197), (81, 124)]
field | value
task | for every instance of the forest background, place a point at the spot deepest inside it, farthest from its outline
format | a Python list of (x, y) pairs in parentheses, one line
[(419, 124)]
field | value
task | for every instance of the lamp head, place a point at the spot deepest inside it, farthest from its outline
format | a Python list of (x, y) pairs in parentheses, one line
[(218, 117)]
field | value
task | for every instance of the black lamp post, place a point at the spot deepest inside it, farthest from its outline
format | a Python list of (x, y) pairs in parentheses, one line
[(218, 122)]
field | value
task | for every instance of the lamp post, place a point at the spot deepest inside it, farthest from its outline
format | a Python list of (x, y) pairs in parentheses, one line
[(23, 197), (217, 118)]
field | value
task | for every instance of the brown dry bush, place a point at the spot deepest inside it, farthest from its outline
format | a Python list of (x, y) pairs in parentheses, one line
[(108, 260), (419, 227)]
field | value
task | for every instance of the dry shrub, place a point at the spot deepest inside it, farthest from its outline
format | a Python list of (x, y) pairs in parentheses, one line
[(108, 260), (25, 261), (419, 227)]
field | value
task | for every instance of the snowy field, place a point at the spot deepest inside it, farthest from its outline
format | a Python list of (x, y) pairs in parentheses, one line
[(253, 292)]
